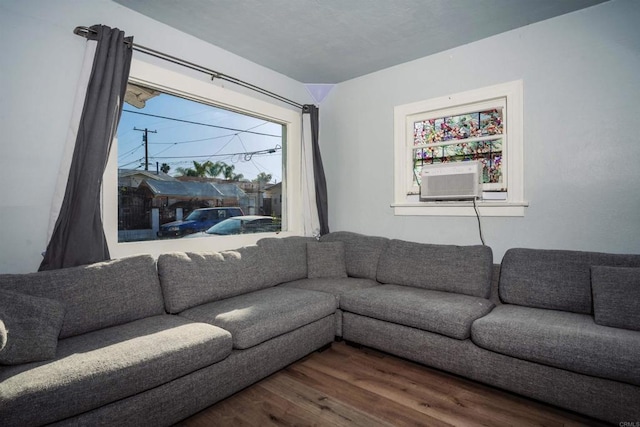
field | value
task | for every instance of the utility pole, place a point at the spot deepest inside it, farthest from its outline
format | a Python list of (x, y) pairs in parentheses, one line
[(145, 139)]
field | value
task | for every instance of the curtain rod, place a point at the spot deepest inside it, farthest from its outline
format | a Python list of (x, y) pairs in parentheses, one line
[(85, 31)]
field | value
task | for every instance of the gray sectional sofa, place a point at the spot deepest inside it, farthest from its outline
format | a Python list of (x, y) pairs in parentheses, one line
[(144, 341)]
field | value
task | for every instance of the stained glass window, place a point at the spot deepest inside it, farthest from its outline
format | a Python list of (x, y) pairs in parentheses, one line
[(482, 126), (456, 138)]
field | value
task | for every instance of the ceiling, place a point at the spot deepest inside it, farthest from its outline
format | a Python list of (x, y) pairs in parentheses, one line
[(330, 41)]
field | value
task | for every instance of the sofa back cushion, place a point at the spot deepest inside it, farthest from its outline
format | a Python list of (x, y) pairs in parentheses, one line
[(459, 269), (189, 279), (32, 326), (362, 253), (326, 260), (554, 279), (96, 296), (616, 296)]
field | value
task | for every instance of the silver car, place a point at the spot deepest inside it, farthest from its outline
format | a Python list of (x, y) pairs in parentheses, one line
[(245, 224)]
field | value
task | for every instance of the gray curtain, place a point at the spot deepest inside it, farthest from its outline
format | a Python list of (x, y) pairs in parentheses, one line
[(318, 169), (78, 236)]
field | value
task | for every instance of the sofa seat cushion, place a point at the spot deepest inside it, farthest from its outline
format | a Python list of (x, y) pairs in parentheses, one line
[(434, 311), (565, 340), (100, 367), (336, 286), (258, 316)]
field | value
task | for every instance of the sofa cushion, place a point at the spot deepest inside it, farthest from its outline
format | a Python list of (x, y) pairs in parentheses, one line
[(460, 269), (554, 279), (616, 296), (261, 315), (104, 366), (335, 286), (32, 326), (434, 311), (361, 252), (190, 279), (3, 335), (565, 340), (285, 258), (98, 295), (325, 260)]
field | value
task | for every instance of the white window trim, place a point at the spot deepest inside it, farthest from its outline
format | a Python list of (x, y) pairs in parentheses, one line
[(172, 82), (513, 151)]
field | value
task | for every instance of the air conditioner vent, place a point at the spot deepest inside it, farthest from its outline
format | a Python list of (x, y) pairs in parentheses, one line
[(451, 181)]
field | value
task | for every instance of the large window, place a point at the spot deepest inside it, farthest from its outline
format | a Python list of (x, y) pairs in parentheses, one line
[(484, 125), (185, 165), (190, 154)]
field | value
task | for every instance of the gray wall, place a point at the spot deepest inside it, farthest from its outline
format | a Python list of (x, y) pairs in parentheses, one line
[(582, 106), (40, 65), (581, 144)]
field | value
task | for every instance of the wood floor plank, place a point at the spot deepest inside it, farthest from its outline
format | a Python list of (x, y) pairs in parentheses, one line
[(346, 386), (415, 375), (255, 406), (324, 407), (354, 395), (446, 404), (487, 404)]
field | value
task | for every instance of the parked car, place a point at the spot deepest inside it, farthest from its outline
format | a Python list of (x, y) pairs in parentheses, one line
[(198, 220), (243, 225)]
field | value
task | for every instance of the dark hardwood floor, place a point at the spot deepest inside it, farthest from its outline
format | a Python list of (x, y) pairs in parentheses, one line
[(346, 386)]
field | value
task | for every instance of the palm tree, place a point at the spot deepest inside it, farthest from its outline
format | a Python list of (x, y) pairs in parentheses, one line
[(201, 168), (186, 172), (228, 171), (216, 169), (263, 178)]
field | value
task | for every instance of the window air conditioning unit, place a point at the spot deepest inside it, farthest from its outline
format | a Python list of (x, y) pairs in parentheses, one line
[(451, 181)]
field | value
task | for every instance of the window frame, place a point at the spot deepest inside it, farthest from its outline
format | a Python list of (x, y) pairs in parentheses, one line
[(205, 91), (513, 153)]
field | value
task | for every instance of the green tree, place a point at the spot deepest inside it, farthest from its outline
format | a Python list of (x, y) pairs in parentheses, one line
[(228, 171), (263, 178), (186, 172), (216, 169), (201, 168), (229, 174)]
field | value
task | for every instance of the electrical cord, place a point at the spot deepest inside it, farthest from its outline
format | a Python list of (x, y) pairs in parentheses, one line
[(475, 207)]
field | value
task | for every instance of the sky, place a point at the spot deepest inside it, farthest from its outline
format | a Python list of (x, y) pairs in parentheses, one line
[(186, 130)]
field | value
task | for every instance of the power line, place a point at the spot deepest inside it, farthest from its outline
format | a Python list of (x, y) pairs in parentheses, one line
[(193, 140), (130, 163), (123, 155), (209, 138), (202, 124), (247, 154)]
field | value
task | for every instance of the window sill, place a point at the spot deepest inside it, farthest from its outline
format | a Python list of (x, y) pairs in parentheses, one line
[(460, 208)]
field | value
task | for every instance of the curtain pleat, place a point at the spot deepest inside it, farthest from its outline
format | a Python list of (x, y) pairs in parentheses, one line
[(78, 236), (72, 135), (319, 179), (310, 222)]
